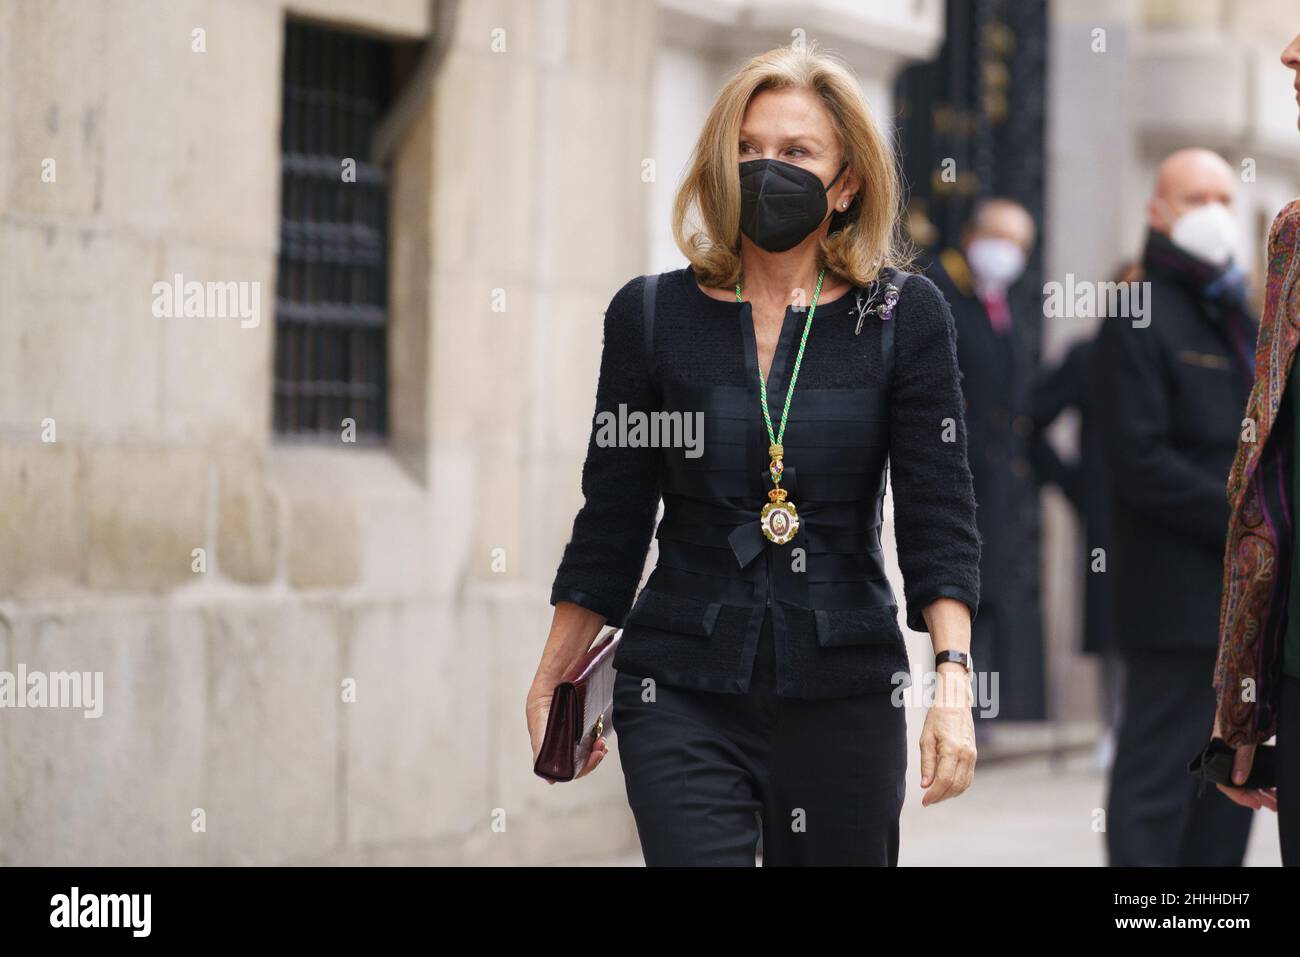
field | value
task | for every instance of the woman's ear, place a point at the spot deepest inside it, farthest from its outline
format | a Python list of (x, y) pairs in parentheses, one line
[(848, 191)]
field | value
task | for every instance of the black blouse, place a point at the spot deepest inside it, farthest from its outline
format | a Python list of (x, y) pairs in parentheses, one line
[(860, 403)]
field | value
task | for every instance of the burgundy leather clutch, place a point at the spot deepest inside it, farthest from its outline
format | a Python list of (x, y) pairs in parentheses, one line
[(580, 712)]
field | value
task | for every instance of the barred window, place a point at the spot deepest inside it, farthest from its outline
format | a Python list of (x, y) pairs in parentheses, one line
[(331, 286)]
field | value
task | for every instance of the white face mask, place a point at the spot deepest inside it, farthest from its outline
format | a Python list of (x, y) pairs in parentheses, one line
[(1208, 232), (996, 263)]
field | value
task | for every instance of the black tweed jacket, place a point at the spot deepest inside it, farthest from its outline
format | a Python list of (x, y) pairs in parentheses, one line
[(868, 397)]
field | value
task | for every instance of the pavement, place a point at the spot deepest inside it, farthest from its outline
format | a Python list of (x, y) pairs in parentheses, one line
[(1032, 811)]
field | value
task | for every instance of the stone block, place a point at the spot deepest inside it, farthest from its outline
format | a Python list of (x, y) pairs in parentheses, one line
[(501, 499), (147, 512), (118, 789), (419, 735), (42, 533), (214, 371), (271, 759), (404, 19), (491, 217), (483, 361), (191, 139), (547, 822), (248, 523), (325, 544), (570, 371), (55, 92), (77, 341)]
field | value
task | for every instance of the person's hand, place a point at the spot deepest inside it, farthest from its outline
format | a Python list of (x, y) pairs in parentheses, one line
[(1253, 798), (537, 708), (948, 738)]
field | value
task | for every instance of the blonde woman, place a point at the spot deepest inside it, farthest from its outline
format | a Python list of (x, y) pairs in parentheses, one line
[(756, 668)]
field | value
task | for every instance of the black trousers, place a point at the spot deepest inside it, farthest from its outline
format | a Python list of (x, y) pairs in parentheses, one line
[(707, 773), (1288, 770), (1154, 817)]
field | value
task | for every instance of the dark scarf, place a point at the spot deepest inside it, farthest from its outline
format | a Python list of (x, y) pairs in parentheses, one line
[(1224, 290)]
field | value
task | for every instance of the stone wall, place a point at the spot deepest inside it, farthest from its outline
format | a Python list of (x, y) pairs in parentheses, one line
[(324, 563)]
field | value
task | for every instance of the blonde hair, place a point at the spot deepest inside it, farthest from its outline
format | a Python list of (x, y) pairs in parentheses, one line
[(863, 238)]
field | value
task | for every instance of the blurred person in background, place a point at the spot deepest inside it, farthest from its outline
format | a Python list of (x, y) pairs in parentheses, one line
[(1082, 480), (1257, 674), (1169, 390), (975, 279)]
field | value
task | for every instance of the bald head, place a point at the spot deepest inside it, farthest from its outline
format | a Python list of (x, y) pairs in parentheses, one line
[(1187, 179), (1002, 219)]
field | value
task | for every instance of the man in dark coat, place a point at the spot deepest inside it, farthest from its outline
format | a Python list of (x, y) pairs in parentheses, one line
[(1057, 390), (1007, 635), (1082, 480), (1170, 385)]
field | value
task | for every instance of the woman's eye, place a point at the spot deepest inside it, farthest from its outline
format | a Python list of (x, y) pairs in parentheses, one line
[(789, 150)]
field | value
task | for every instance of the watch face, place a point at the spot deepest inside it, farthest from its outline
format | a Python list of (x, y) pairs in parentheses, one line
[(957, 657)]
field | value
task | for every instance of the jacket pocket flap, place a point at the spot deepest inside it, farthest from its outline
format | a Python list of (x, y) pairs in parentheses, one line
[(857, 626), (676, 613)]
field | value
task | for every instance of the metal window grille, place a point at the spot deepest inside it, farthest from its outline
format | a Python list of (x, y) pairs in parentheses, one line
[(331, 287)]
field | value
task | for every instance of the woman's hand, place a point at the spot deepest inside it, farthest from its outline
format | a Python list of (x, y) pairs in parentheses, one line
[(537, 708), (948, 738), (572, 630), (1253, 798)]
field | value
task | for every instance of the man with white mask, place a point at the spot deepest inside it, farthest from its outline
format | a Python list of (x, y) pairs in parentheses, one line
[(996, 366), (1170, 395)]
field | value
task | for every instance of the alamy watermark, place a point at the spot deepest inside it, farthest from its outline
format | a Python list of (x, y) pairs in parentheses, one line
[(53, 689), (1082, 299), (667, 430), (179, 299), (131, 912), (928, 690)]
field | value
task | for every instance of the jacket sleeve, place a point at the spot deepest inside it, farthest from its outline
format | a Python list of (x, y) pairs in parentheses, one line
[(1054, 391), (603, 561), (1147, 470), (934, 497)]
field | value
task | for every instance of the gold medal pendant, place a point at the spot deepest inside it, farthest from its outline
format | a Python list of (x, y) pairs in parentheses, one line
[(778, 519)]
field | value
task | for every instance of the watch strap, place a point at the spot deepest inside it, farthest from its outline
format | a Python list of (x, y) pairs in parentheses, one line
[(958, 657)]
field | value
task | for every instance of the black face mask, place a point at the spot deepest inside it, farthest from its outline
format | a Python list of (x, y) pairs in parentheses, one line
[(780, 203)]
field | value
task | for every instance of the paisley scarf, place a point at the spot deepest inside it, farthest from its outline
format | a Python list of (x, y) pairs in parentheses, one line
[(1257, 557)]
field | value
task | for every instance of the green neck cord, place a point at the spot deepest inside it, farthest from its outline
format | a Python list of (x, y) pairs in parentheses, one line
[(794, 376)]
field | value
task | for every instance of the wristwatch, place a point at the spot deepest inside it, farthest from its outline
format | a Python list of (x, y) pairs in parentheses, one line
[(959, 657)]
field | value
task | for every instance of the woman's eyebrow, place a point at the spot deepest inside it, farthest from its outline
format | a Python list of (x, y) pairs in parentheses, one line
[(787, 139)]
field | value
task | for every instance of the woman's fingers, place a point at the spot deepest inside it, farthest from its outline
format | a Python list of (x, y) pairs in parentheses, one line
[(929, 758), (944, 777), (597, 755), (955, 773), (967, 770), (947, 753), (1241, 796), (1241, 763)]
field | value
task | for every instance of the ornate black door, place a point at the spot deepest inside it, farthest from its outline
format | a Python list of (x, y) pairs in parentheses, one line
[(971, 126)]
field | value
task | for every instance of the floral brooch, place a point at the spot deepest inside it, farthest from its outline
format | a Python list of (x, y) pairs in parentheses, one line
[(884, 309)]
